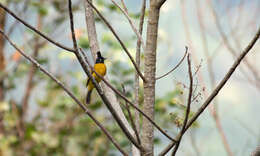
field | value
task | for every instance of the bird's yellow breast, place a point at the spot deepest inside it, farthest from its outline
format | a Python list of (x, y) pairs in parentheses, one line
[(100, 68)]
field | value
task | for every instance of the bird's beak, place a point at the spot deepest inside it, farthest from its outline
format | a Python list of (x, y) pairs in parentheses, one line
[(105, 58)]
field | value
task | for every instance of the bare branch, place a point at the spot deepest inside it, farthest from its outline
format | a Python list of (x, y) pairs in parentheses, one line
[(35, 30), (137, 59), (92, 36), (125, 12), (93, 42), (75, 45), (91, 29), (133, 105), (98, 88), (218, 88), (119, 40), (131, 117), (175, 66), (188, 108), (67, 91)]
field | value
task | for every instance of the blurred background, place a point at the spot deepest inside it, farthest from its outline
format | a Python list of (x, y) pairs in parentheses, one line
[(38, 118)]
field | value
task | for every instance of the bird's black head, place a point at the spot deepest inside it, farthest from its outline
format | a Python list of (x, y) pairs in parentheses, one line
[(100, 59)]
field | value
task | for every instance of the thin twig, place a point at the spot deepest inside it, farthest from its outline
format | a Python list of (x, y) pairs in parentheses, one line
[(33, 61), (126, 99), (131, 117), (175, 66), (137, 59), (125, 12), (98, 88), (188, 108), (35, 30), (119, 40), (218, 88)]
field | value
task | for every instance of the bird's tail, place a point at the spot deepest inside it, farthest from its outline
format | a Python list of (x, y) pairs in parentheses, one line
[(88, 98)]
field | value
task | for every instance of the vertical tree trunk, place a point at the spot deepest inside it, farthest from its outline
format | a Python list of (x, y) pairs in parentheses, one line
[(149, 74)]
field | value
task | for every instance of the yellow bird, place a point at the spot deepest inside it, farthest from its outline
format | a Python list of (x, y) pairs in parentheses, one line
[(100, 68)]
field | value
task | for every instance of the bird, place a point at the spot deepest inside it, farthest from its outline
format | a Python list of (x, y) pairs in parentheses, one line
[(101, 69)]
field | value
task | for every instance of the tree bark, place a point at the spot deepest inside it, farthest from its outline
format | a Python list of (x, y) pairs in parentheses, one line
[(149, 74), (94, 47)]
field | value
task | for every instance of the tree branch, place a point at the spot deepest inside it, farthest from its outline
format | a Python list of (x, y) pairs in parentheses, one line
[(91, 29), (35, 30), (92, 36), (98, 88), (175, 66), (119, 40), (131, 117), (218, 88), (137, 59), (67, 91), (125, 12), (188, 108)]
